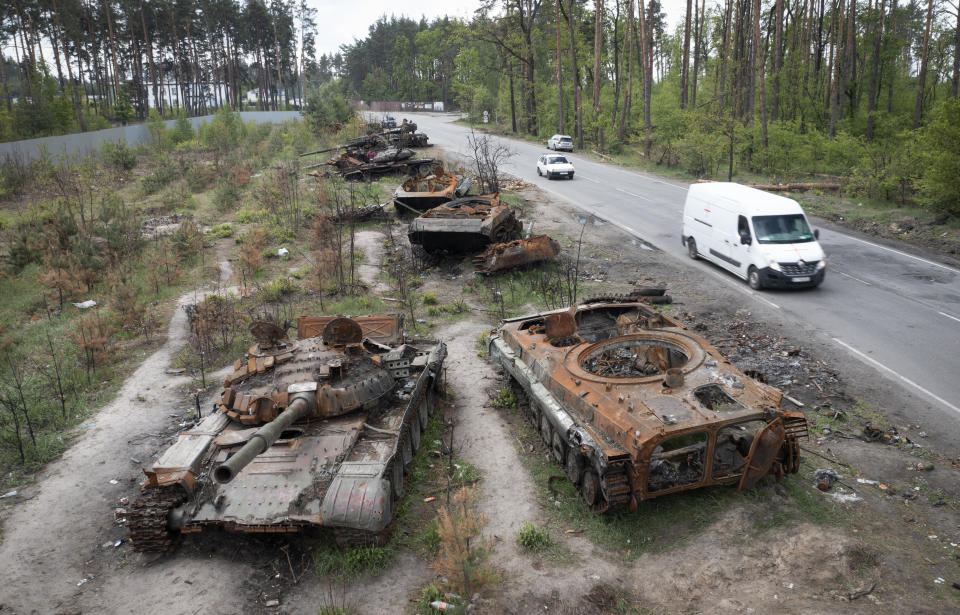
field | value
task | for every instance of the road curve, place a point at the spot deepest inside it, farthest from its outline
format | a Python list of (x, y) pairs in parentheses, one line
[(881, 304)]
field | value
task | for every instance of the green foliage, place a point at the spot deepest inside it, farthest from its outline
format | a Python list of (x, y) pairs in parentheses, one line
[(221, 231), (532, 538), (274, 290), (327, 108), (163, 174), (505, 398), (182, 130), (429, 298), (119, 156), (186, 241), (329, 560), (939, 151), (122, 109)]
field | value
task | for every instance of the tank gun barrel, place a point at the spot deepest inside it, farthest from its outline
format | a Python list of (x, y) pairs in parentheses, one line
[(323, 151), (261, 440)]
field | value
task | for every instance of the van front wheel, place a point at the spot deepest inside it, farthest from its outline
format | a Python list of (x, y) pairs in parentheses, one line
[(753, 278), (692, 248)]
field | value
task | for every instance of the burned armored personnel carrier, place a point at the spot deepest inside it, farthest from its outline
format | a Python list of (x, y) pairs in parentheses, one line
[(634, 406), (428, 190), (307, 433), (516, 253), (465, 225)]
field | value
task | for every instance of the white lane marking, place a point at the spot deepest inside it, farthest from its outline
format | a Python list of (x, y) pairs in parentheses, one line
[(949, 316), (735, 285), (635, 194), (588, 179), (850, 276), (917, 258), (880, 365)]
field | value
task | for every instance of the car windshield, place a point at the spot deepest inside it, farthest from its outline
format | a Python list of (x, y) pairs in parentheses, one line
[(791, 228), (556, 160)]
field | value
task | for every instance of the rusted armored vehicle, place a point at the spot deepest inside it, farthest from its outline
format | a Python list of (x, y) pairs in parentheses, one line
[(634, 406), (311, 432), (428, 190), (516, 253), (385, 162), (467, 224)]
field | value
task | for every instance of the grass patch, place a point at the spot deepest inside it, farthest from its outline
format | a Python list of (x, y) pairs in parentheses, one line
[(505, 398), (532, 538), (331, 561)]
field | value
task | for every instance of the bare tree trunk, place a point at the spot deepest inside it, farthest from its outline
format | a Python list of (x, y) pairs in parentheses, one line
[(760, 68), (699, 18), (724, 55), (625, 110), (922, 77), (685, 70), (777, 58), (559, 68), (597, 52), (575, 75), (276, 45), (66, 55), (835, 62), (955, 82), (113, 52), (646, 62), (874, 73)]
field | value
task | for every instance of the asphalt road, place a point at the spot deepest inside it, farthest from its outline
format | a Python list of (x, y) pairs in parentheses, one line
[(881, 304)]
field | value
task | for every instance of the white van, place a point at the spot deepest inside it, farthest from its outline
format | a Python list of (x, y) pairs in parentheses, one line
[(763, 238)]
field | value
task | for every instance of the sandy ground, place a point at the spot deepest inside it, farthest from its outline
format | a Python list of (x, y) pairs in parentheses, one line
[(59, 553)]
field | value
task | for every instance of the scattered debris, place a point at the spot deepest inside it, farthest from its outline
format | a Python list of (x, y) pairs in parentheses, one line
[(9, 494), (83, 305), (825, 478), (861, 592)]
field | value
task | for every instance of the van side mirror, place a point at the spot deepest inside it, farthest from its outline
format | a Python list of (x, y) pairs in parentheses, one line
[(816, 233), (745, 238)]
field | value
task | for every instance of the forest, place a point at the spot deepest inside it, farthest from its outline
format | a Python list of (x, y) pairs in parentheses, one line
[(861, 91)]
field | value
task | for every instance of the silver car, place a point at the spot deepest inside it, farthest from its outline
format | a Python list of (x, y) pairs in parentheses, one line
[(560, 142)]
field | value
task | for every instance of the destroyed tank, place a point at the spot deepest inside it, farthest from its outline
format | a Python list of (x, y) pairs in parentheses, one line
[(307, 433), (467, 224), (428, 190), (635, 406), (516, 253)]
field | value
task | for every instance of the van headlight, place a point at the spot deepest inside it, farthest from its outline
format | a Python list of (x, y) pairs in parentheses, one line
[(821, 264), (774, 265)]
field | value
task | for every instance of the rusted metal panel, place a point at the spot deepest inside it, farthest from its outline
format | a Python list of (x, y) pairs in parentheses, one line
[(381, 328), (466, 224)]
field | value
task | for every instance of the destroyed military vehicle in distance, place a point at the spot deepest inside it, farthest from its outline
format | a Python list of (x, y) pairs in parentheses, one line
[(428, 190), (634, 406), (467, 224), (307, 433)]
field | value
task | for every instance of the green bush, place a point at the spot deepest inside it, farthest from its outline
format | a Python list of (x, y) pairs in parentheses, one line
[(275, 289), (159, 177), (221, 231), (532, 538), (119, 155), (504, 399), (430, 298)]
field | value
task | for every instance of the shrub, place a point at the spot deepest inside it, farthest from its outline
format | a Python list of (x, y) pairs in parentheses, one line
[(532, 538), (505, 398), (160, 177), (119, 156), (199, 177), (221, 231), (429, 298)]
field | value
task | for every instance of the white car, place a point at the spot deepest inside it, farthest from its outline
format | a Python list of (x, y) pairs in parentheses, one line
[(560, 142), (554, 165)]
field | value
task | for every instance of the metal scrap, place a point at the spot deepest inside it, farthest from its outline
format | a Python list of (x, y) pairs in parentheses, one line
[(503, 256)]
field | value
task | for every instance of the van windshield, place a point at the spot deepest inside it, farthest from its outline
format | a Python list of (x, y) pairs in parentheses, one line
[(791, 228)]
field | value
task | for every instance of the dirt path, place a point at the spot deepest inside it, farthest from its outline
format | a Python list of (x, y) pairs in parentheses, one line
[(371, 243), (55, 542)]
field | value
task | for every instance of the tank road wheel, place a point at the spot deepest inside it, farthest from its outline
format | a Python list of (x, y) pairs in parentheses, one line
[(558, 447), (396, 479), (692, 248), (406, 453), (546, 432), (574, 466), (590, 489), (415, 432)]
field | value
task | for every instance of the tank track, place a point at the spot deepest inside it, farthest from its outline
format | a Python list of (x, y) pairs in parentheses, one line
[(615, 486), (616, 298), (147, 519), (348, 537)]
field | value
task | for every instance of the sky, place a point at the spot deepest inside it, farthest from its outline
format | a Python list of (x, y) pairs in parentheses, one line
[(341, 22)]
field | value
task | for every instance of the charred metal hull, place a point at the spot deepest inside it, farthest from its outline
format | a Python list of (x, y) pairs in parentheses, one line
[(504, 256), (634, 406), (426, 191), (464, 225), (358, 410)]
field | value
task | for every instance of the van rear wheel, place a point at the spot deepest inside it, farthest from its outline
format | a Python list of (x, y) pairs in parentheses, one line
[(753, 278), (692, 248)]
